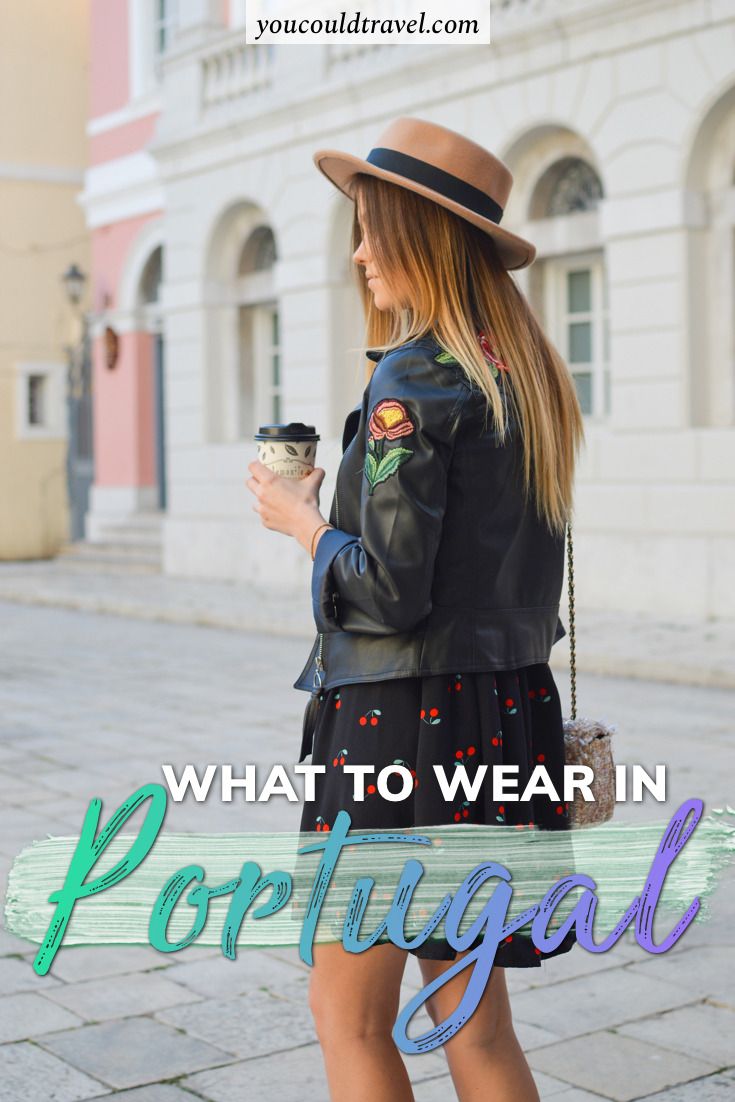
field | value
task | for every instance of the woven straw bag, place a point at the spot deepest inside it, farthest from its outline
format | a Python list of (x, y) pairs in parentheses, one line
[(587, 741)]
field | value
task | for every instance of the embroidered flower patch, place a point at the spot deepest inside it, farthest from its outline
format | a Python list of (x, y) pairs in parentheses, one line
[(496, 365), (389, 420)]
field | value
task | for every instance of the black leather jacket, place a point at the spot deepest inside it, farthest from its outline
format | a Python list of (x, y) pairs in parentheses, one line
[(436, 564)]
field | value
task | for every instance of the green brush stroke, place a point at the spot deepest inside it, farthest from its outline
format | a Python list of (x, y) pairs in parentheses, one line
[(616, 855)]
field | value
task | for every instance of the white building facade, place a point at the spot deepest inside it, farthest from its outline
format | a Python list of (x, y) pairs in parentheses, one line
[(618, 123)]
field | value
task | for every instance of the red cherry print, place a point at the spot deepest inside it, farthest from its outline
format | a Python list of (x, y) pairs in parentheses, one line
[(465, 812), (423, 713), (335, 761), (509, 937), (532, 694), (560, 810), (459, 755), (496, 741), (337, 704), (370, 789), (509, 702), (543, 692), (541, 757), (501, 809), (537, 951), (470, 751), (458, 686), (373, 721), (457, 816), (363, 721), (433, 711)]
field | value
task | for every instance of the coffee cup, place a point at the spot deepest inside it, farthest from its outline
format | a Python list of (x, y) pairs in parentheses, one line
[(288, 450)]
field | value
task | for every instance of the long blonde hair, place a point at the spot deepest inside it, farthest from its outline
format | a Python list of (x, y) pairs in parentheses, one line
[(458, 286)]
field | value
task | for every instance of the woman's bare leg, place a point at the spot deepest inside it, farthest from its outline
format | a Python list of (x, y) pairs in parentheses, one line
[(354, 998), (485, 1059)]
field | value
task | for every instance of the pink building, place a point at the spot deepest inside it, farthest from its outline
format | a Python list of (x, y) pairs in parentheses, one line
[(123, 199)]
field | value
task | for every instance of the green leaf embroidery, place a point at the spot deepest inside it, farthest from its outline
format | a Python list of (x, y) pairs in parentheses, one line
[(388, 465), (371, 466), (445, 358)]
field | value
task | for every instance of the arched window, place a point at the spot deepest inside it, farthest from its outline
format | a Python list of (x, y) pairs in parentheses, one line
[(151, 349), (570, 186), (570, 284), (260, 381), (244, 378), (259, 252), (711, 263), (149, 288)]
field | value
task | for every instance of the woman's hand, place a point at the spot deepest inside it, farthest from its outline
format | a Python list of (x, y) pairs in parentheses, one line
[(287, 505)]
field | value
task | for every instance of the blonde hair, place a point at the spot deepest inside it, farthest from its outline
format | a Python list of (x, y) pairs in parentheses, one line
[(451, 283)]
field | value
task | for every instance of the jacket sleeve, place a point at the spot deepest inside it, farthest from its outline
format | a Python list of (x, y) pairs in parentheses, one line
[(380, 581)]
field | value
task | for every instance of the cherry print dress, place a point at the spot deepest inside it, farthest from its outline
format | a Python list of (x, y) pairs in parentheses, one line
[(501, 718), (504, 717)]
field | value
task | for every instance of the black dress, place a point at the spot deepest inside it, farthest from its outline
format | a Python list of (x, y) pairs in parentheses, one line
[(509, 717)]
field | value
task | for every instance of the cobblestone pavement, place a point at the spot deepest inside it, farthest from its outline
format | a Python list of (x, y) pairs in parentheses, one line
[(695, 651), (92, 704)]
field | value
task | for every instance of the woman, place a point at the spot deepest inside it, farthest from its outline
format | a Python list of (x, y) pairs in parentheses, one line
[(437, 576)]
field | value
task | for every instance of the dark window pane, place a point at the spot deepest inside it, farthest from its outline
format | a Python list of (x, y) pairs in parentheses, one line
[(579, 291), (580, 342), (583, 383), (36, 399)]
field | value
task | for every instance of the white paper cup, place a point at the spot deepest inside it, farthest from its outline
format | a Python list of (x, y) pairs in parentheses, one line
[(288, 450)]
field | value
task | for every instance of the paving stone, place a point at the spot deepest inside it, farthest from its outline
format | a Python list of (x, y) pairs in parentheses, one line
[(29, 1073), (596, 1002), (133, 1052), (122, 996), (533, 1036), (218, 976), (158, 1092), (247, 1025), (293, 1076), (549, 1086), (76, 962), (29, 1015), (18, 975), (617, 1067), (10, 945), (713, 1088), (704, 971), (704, 1031), (574, 1094)]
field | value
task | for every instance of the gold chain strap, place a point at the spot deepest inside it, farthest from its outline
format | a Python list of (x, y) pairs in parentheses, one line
[(572, 656)]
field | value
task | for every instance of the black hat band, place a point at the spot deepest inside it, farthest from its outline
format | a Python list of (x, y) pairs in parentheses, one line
[(444, 183)]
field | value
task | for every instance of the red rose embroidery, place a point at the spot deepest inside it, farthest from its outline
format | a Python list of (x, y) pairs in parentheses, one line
[(390, 420)]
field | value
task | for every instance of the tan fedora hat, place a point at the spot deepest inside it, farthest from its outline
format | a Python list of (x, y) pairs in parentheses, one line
[(442, 165)]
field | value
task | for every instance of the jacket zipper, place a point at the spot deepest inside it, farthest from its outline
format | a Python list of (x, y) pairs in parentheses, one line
[(320, 669)]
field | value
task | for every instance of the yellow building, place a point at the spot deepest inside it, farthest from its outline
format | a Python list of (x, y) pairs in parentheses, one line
[(43, 107)]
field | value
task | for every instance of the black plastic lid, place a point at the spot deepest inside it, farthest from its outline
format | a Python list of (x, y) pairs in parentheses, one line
[(294, 431)]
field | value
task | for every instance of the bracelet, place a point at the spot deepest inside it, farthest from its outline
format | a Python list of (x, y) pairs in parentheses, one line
[(316, 533)]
